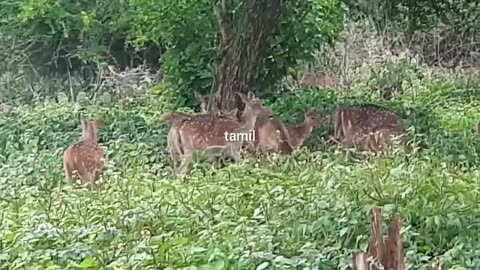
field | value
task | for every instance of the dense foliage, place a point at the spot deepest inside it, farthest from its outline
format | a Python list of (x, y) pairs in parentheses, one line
[(419, 15), (182, 36), (309, 210)]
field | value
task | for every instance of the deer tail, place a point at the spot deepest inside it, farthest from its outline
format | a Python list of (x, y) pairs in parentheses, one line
[(66, 167)]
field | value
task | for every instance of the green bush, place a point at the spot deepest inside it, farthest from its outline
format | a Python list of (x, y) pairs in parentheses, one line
[(419, 15)]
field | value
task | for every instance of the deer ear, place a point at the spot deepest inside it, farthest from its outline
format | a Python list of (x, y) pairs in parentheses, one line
[(250, 95), (83, 124), (244, 98), (234, 111)]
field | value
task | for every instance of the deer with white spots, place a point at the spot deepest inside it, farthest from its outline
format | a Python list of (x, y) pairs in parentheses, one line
[(175, 119), (206, 132), (370, 127), (85, 160)]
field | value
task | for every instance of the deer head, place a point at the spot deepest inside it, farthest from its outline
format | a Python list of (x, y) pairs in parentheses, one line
[(85, 159), (312, 118)]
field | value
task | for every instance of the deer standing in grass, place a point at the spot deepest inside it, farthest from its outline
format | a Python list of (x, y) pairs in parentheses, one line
[(275, 136), (368, 126), (85, 159), (300, 133), (206, 133)]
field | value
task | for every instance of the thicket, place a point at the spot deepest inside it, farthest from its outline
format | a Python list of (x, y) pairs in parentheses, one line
[(61, 40)]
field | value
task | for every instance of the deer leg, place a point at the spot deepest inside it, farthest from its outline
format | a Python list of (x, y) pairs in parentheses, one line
[(186, 159), (235, 152), (68, 172)]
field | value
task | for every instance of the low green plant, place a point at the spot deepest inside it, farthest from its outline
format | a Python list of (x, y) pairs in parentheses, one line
[(308, 210)]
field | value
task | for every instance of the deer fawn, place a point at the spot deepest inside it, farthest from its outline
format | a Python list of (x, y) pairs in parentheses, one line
[(275, 136), (85, 159), (272, 136), (207, 133), (368, 126), (300, 133)]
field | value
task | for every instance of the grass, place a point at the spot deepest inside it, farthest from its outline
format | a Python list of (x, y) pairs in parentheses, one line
[(306, 211)]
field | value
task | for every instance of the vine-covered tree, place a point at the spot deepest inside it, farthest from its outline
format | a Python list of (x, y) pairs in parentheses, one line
[(244, 47)]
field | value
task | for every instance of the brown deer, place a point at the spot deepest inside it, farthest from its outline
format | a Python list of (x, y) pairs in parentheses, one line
[(85, 159), (321, 79), (300, 133), (368, 126), (271, 136), (275, 136), (208, 133), (175, 119)]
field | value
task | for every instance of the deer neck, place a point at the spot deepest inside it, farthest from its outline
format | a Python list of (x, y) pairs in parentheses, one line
[(248, 119), (305, 129), (90, 135)]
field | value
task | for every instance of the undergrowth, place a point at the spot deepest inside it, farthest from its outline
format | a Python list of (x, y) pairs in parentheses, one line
[(305, 211)]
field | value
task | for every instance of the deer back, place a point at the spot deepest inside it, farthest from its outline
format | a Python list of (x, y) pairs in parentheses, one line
[(354, 125), (200, 133), (85, 159)]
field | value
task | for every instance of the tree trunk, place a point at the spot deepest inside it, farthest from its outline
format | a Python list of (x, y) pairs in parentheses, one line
[(244, 47)]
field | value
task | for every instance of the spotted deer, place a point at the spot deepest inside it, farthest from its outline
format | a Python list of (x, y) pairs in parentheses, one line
[(85, 159), (370, 127), (176, 119), (207, 133)]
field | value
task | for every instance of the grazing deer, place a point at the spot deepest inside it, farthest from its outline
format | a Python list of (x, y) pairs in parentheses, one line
[(321, 79), (207, 133), (275, 136), (85, 159), (300, 133), (369, 126)]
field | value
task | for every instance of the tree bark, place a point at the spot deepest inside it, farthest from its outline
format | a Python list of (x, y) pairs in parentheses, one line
[(244, 47)]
